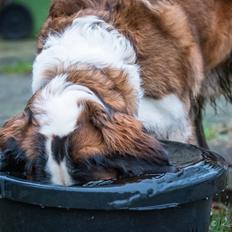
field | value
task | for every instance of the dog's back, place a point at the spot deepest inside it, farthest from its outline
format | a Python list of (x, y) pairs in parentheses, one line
[(210, 22), (183, 47)]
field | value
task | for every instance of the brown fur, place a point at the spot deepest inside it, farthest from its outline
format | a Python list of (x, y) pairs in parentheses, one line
[(163, 44), (138, 22), (101, 133), (21, 129), (111, 85), (178, 42)]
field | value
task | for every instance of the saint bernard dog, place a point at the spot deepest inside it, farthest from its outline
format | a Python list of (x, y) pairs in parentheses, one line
[(113, 77)]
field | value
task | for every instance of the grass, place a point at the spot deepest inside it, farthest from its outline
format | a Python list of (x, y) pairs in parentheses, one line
[(22, 67), (221, 220), (210, 133)]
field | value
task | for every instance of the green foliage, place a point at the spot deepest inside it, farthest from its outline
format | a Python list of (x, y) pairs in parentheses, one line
[(21, 67), (39, 10), (221, 220), (210, 133)]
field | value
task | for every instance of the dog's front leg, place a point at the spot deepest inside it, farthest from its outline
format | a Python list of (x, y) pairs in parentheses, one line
[(174, 21), (3, 163)]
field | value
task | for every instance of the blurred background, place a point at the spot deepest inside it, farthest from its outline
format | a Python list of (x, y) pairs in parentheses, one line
[(20, 21)]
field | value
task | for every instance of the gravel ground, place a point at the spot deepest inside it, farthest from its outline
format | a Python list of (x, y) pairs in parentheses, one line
[(220, 123), (15, 91), (12, 52)]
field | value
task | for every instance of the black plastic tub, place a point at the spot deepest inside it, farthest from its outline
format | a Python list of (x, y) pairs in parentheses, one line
[(173, 202)]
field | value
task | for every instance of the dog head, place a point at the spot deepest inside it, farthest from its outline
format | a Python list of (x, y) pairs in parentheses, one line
[(68, 135)]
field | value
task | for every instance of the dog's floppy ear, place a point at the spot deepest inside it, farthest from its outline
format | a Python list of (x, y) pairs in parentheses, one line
[(128, 150), (123, 134)]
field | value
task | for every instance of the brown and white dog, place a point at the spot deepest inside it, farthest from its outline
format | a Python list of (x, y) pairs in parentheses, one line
[(110, 73)]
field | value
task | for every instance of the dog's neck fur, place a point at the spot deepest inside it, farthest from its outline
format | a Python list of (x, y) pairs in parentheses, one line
[(94, 54), (88, 41)]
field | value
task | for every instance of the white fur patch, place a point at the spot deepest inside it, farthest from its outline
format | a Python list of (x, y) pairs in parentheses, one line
[(59, 172), (167, 118), (89, 40), (57, 109)]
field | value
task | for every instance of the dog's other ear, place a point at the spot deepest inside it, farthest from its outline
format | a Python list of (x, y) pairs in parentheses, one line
[(123, 134), (12, 158), (13, 127), (11, 134)]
